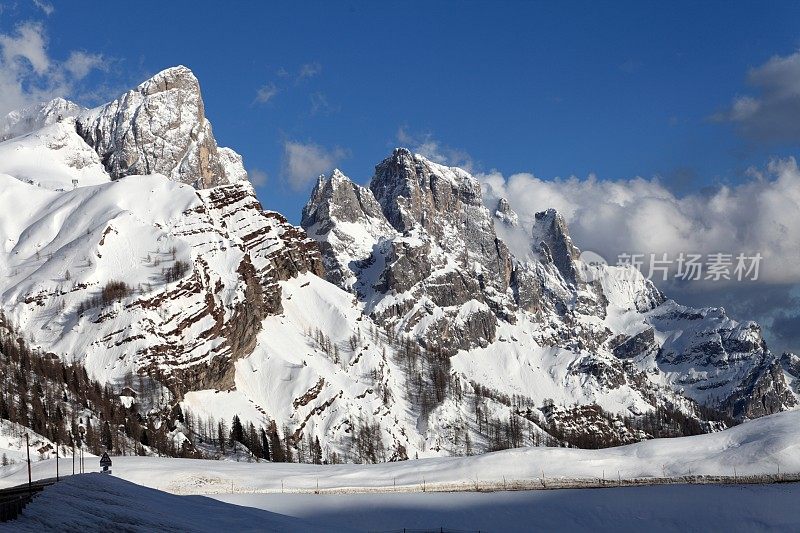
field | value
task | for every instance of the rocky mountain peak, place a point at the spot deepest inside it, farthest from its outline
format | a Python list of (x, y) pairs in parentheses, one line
[(413, 190), (161, 127), (346, 221), (337, 197), (505, 214), (550, 238), (174, 78)]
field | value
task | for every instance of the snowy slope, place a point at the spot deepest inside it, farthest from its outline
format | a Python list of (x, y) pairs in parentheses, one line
[(663, 508), (96, 502), (61, 249), (764, 446), (52, 157)]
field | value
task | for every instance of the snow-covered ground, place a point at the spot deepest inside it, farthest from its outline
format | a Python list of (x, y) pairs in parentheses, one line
[(762, 446), (95, 502), (660, 508), (757, 447)]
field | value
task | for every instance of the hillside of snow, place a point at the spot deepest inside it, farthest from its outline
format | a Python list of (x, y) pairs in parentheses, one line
[(765, 446), (97, 502), (281, 497)]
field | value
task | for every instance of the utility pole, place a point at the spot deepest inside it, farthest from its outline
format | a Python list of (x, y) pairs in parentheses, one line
[(28, 449), (56, 459), (73, 457)]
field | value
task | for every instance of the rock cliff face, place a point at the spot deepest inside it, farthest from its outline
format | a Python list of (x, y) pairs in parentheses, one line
[(160, 127), (418, 246)]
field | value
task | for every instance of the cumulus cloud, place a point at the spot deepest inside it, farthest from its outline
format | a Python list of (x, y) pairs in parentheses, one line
[(426, 145), (303, 162), (266, 93), (28, 74), (761, 215), (770, 115), (26, 48)]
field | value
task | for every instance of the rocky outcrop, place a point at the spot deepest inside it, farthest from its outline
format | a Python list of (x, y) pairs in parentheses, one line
[(505, 214), (643, 343), (348, 223), (160, 127), (551, 239), (763, 392)]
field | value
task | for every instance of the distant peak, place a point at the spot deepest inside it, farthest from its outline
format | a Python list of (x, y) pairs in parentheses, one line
[(551, 235), (33, 117)]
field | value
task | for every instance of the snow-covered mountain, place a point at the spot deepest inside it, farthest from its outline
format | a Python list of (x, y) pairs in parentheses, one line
[(426, 257), (397, 324)]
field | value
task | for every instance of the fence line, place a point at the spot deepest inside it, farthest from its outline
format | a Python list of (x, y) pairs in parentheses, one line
[(473, 485)]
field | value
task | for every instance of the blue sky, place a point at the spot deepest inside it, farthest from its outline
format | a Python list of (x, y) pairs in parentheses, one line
[(691, 93), (550, 88)]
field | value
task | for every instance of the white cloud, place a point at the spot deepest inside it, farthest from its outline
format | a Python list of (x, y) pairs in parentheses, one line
[(426, 145), (257, 177), (46, 7), (28, 74), (302, 162), (771, 116), (28, 45), (642, 216), (80, 64), (266, 93)]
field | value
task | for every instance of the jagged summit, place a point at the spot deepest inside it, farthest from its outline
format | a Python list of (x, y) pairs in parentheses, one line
[(160, 127), (413, 190), (177, 77), (431, 264), (550, 237)]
